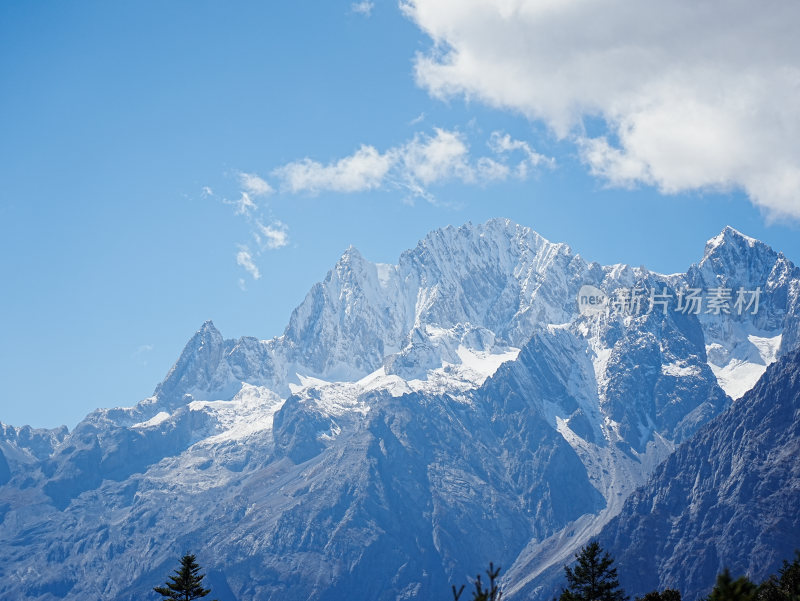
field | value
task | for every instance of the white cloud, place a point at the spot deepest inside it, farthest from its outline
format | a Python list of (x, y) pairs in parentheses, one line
[(363, 170), (244, 204), (272, 236), (429, 159), (207, 191), (267, 237), (254, 185), (245, 259), (487, 169), (694, 95), (362, 8), (503, 144), (422, 161)]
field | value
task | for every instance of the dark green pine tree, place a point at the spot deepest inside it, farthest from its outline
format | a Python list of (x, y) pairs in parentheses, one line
[(493, 593), (728, 589), (790, 578), (668, 594), (593, 578), (185, 584), (783, 587)]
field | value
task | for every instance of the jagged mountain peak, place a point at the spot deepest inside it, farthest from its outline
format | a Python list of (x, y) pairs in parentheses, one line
[(731, 245), (451, 250), (208, 324), (207, 336), (503, 232), (351, 270), (208, 329), (192, 370), (730, 233), (479, 275), (734, 259), (351, 254)]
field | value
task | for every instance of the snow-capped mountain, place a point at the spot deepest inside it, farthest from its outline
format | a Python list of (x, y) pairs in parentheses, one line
[(412, 422), (739, 349), (481, 286)]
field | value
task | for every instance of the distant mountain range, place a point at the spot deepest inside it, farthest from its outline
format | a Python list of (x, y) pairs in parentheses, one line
[(417, 420)]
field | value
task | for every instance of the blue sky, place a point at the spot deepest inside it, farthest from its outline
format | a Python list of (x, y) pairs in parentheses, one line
[(166, 163)]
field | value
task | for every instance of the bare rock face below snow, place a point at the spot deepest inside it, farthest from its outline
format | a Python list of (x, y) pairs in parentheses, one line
[(412, 422), (726, 498)]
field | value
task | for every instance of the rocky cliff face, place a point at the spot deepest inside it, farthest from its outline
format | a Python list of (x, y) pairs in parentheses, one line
[(728, 497)]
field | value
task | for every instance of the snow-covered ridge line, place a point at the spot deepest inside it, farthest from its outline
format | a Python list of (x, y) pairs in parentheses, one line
[(484, 287)]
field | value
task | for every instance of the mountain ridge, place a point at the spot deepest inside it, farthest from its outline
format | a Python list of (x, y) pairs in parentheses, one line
[(734, 487), (404, 409)]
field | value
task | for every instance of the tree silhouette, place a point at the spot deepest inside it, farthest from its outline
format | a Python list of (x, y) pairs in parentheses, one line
[(593, 578), (785, 586), (185, 584), (668, 594), (493, 593), (728, 589)]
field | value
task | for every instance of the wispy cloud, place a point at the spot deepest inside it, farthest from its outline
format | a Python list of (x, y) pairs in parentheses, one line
[(245, 259), (503, 144), (268, 234), (487, 170), (692, 95), (362, 8), (272, 236), (254, 185), (244, 204), (423, 161)]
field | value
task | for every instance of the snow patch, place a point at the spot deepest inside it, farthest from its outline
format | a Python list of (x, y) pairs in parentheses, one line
[(158, 418), (737, 369), (250, 411), (680, 369), (600, 364), (339, 398)]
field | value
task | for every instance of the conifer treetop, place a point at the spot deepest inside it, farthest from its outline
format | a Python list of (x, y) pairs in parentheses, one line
[(593, 578), (186, 583)]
